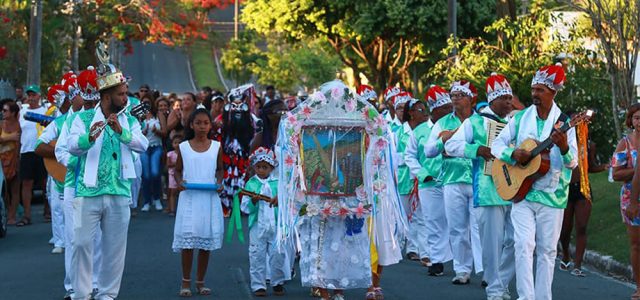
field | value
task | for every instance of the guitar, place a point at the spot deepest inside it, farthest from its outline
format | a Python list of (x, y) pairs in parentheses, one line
[(243, 192), (513, 182), (54, 168)]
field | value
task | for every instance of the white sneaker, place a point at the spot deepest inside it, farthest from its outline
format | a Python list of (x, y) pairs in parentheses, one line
[(145, 207), (461, 278), (57, 250), (157, 204)]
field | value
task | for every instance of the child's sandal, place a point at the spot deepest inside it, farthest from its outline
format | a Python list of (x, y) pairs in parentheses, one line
[(202, 290), (185, 292)]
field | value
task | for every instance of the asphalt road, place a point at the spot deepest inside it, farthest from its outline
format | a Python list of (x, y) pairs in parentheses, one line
[(152, 270), (161, 67)]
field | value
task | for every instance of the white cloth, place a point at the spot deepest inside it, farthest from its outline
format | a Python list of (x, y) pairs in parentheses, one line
[(498, 257), (154, 139), (136, 183), (57, 213), (461, 219), (69, 194), (199, 220), (416, 236), (93, 155), (111, 214), (28, 130), (433, 209), (536, 227)]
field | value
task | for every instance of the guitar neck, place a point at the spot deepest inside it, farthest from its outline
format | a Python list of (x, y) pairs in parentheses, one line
[(548, 142), (254, 195)]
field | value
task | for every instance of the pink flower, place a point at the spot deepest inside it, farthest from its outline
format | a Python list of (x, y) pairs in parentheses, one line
[(377, 161), (379, 186), (337, 93), (343, 212), (380, 121), (360, 210), (320, 96), (361, 194), (381, 143), (326, 211), (289, 161), (350, 105), (306, 111), (292, 118)]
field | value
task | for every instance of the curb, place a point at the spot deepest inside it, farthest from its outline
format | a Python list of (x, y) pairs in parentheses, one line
[(606, 264)]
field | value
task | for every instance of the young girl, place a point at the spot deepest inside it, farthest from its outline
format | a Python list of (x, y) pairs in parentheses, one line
[(262, 226), (172, 156), (199, 223)]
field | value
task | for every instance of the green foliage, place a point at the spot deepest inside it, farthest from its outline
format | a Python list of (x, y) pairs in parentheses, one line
[(607, 232), (203, 66)]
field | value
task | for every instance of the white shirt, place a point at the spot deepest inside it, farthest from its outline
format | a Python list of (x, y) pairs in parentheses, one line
[(29, 134)]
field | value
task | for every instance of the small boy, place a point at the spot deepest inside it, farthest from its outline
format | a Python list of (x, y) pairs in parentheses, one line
[(264, 257)]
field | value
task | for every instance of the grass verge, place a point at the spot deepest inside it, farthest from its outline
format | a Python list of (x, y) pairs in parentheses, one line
[(606, 232), (203, 66)]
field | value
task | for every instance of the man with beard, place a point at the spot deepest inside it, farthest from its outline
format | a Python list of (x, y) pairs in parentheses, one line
[(103, 188), (237, 132), (537, 220)]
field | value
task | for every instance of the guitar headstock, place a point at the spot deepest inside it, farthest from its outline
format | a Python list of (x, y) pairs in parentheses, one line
[(581, 117), (141, 110)]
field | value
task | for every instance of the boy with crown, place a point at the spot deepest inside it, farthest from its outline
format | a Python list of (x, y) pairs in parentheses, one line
[(537, 219), (103, 139), (265, 260), (494, 220), (456, 181), (83, 89), (427, 172)]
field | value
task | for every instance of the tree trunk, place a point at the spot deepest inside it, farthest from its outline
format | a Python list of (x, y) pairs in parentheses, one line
[(35, 43)]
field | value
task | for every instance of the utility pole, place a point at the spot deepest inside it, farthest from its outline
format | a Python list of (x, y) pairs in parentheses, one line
[(453, 23), (35, 43), (235, 20)]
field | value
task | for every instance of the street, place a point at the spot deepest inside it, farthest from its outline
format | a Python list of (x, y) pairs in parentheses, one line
[(152, 270)]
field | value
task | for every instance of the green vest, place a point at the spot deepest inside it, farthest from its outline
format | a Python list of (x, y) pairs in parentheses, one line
[(484, 191), (454, 169), (430, 166), (405, 182), (235, 223)]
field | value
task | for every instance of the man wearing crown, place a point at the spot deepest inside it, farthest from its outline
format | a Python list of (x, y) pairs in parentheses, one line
[(103, 139), (493, 213), (537, 219), (390, 114), (83, 89), (456, 180)]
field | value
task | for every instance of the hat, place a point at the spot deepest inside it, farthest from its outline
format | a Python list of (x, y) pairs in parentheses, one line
[(239, 93), (56, 95), (367, 92), (436, 97), (108, 75), (497, 85), (402, 98), (88, 85), (33, 88), (70, 86), (465, 87), (552, 76), (263, 154), (390, 93), (67, 76)]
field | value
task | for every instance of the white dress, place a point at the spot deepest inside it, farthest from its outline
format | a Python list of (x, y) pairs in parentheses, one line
[(199, 220)]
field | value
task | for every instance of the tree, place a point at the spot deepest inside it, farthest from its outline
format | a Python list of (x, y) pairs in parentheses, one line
[(381, 39), (617, 26)]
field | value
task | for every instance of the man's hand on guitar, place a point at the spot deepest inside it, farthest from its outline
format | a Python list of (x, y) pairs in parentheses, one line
[(560, 139), (485, 152), (521, 156)]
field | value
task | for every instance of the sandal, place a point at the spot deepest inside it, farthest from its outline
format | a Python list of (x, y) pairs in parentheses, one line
[(578, 272), (564, 266), (635, 296), (24, 222), (371, 295), (379, 294), (202, 290), (185, 292)]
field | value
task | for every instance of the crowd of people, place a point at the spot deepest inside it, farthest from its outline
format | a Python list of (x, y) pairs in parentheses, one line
[(424, 184)]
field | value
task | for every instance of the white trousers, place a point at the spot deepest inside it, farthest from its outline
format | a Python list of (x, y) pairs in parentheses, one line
[(536, 227), (432, 208), (464, 233), (417, 234), (498, 261), (57, 214), (261, 266), (69, 194), (111, 214)]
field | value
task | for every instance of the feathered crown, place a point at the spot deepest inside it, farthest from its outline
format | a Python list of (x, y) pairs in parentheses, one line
[(401, 98), (436, 97), (367, 92), (56, 95), (497, 85), (108, 74), (263, 154), (552, 76), (465, 87), (88, 85)]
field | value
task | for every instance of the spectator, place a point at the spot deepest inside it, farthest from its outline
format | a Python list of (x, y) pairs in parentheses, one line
[(179, 118), (20, 95), (270, 93), (151, 159), (623, 162), (206, 94), (144, 90), (271, 115), (172, 156), (31, 165), (10, 154)]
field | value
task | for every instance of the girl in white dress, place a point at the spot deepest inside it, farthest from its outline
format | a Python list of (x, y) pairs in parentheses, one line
[(199, 221)]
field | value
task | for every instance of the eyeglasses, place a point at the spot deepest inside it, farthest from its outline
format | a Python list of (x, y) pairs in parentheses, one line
[(458, 95)]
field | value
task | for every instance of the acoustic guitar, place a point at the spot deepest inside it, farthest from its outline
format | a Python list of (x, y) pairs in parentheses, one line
[(513, 182), (54, 168)]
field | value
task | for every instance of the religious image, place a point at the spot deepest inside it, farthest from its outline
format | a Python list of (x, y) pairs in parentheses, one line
[(332, 160)]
